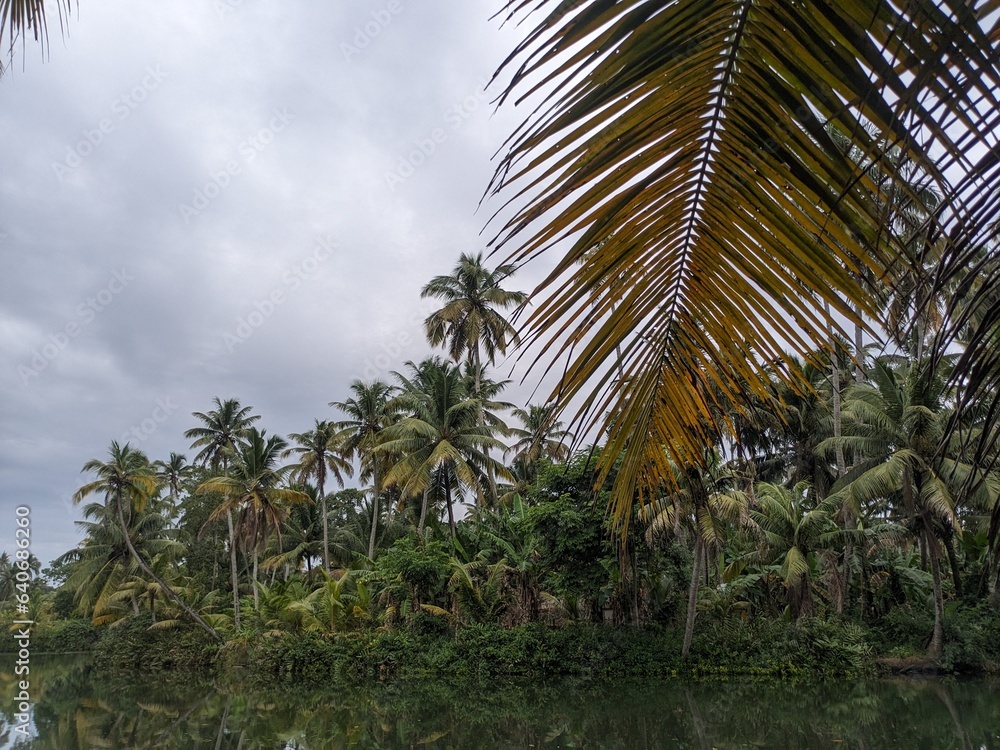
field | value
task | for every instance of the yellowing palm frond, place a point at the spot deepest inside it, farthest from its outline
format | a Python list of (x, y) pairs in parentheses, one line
[(686, 159)]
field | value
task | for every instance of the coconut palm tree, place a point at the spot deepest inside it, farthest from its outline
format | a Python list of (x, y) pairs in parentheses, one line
[(471, 323), (222, 430), (899, 424), (321, 451), (101, 565), (253, 487), (689, 142), (172, 473), (540, 434), (369, 411), (128, 481), (705, 503), (793, 526), (442, 440)]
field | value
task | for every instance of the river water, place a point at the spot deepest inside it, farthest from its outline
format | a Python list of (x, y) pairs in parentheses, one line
[(73, 705)]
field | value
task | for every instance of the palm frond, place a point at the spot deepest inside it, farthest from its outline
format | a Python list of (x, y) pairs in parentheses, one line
[(684, 155)]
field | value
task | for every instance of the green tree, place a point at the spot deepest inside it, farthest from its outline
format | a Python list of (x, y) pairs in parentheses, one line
[(441, 440), (471, 323), (321, 451), (540, 434), (221, 431), (128, 480), (705, 503), (793, 527), (369, 411), (253, 487), (100, 566), (899, 424)]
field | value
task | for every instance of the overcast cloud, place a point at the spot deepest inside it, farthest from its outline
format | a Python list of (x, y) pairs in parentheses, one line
[(226, 198)]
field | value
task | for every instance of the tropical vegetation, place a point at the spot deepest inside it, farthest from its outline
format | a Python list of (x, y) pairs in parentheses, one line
[(772, 304)]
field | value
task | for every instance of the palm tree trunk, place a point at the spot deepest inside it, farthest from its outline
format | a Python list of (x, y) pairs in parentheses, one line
[(693, 594), (256, 594), (859, 348), (375, 488), (451, 513), (937, 639), (953, 562), (326, 531), (423, 513), (159, 581), (233, 571), (835, 378)]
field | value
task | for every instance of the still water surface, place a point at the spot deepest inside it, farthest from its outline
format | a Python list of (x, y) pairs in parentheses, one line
[(75, 707)]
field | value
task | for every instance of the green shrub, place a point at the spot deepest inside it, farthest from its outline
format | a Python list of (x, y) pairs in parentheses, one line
[(131, 644)]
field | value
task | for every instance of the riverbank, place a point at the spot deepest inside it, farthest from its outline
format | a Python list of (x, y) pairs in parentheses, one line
[(765, 649)]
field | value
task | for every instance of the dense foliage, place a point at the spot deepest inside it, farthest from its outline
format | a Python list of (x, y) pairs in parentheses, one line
[(836, 526)]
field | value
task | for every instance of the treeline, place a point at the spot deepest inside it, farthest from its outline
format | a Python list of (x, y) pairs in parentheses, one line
[(849, 498)]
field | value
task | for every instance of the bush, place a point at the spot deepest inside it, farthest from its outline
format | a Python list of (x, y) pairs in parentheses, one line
[(59, 637), (765, 649), (130, 644)]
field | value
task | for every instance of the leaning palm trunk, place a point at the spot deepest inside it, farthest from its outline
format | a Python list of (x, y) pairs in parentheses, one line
[(937, 639), (159, 581), (256, 593)]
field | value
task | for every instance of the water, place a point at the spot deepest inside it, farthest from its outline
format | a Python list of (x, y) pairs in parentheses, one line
[(76, 707)]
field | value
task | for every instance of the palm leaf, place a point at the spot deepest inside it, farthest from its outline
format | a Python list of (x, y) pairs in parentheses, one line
[(681, 156)]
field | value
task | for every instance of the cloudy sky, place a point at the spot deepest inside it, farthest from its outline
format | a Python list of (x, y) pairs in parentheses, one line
[(233, 198)]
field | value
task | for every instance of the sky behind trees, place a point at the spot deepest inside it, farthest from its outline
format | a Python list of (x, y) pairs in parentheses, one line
[(227, 198)]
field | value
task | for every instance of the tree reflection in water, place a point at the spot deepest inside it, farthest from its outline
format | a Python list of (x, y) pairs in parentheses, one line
[(77, 707)]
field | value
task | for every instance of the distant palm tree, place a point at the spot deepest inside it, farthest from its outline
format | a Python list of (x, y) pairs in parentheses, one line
[(793, 525), (128, 479), (172, 472), (222, 430), (540, 434), (370, 410), (442, 440), (321, 450), (254, 488), (470, 324), (899, 423)]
